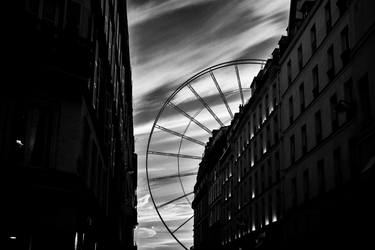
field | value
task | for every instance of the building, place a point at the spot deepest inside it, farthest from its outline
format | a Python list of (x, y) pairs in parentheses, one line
[(66, 127), (207, 202), (238, 194), (327, 110), (297, 170)]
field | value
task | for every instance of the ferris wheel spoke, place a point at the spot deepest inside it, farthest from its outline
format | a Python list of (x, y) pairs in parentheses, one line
[(173, 176), (180, 135), (176, 199), (239, 84), (183, 224), (175, 155), (221, 94), (205, 105), (190, 118)]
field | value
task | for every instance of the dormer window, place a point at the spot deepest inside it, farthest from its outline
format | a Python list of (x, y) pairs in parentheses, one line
[(306, 7)]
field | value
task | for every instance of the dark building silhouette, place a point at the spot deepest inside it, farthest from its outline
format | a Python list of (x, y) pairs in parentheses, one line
[(207, 202), (298, 164), (66, 127)]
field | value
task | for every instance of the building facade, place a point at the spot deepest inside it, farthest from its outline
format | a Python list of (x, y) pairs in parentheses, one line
[(66, 127), (327, 110), (207, 202), (297, 170), (242, 179)]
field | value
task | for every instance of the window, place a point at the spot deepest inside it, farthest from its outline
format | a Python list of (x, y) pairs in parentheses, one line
[(269, 207), (269, 166), (289, 72), (85, 149), (352, 158), (334, 115), (263, 178), (274, 95), (313, 38), (302, 97), (275, 129), (99, 181), (73, 16), (240, 145), (278, 202), (102, 4), (260, 114), (263, 144), (294, 191), (277, 165), (248, 129), (256, 183), (33, 6), (254, 123), (300, 57), (345, 46), (328, 16), (267, 105), (252, 157), (291, 111), (337, 166), (257, 219), (306, 8), (315, 76), (342, 5), (31, 135), (106, 23), (263, 213), (93, 167), (306, 185), (49, 10), (304, 139), (246, 192), (39, 144), (331, 63), (96, 75), (292, 149), (321, 177), (251, 186), (348, 95), (364, 94), (268, 135), (318, 127), (19, 135)]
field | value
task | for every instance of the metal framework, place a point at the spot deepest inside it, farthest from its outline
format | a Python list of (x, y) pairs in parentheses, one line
[(193, 119)]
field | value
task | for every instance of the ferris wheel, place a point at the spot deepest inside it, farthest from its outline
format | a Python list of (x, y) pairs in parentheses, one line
[(206, 101)]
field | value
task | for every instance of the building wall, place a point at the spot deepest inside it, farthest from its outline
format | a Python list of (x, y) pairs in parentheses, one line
[(66, 139), (353, 71), (326, 165), (310, 186), (207, 202)]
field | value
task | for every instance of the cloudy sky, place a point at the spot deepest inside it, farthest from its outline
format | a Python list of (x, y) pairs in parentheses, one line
[(170, 41)]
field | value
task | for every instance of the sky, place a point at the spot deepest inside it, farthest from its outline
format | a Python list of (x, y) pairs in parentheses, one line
[(170, 41)]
